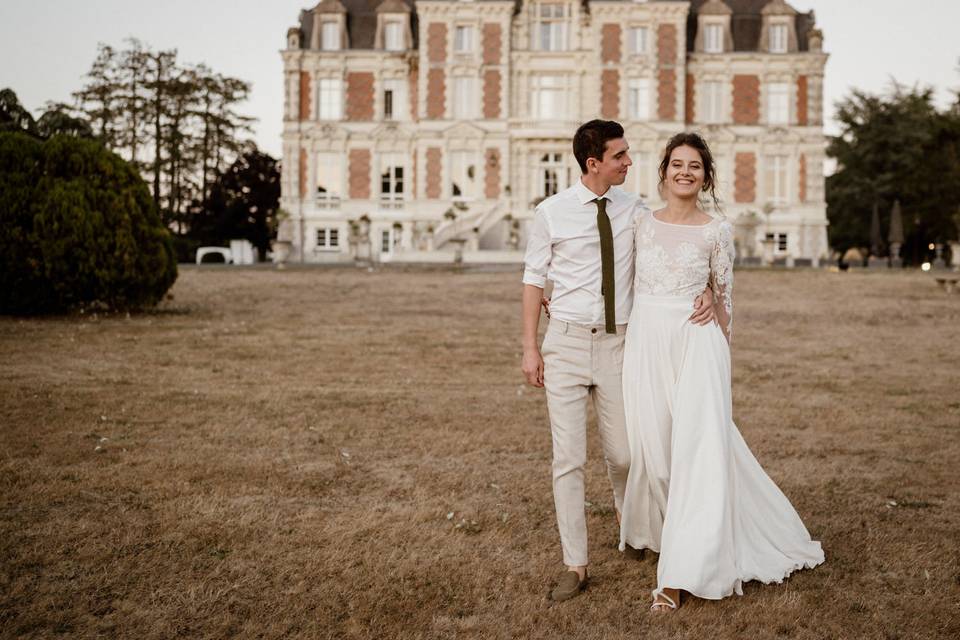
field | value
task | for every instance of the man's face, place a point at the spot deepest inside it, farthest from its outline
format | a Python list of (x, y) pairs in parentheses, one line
[(612, 169)]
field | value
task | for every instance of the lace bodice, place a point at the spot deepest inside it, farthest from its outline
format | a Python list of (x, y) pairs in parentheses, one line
[(680, 260)]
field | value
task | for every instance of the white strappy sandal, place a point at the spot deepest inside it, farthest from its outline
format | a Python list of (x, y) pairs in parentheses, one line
[(666, 604)]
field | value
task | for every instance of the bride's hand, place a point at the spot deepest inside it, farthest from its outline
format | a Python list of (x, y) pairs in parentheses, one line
[(703, 312), (545, 302)]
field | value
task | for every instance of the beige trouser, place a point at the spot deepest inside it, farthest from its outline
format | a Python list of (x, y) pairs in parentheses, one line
[(579, 362)]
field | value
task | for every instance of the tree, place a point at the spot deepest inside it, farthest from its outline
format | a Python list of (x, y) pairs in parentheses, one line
[(58, 120), (143, 101), (243, 203), (13, 116), (77, 228), (894, 147), (99, 96)]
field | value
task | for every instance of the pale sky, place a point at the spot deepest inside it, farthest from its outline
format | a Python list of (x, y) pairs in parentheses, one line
[(48, 45)]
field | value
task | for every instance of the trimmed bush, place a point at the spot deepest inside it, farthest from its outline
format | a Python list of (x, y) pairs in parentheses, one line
[(77, 228)]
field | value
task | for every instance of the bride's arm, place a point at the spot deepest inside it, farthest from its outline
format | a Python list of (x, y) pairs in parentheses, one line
[(721, 277)]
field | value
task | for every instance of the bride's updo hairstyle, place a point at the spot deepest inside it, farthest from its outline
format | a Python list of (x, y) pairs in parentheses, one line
[(694, 141)]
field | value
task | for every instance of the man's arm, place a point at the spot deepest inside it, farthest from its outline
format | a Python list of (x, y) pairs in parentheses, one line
[(532, 362), (536, 263)]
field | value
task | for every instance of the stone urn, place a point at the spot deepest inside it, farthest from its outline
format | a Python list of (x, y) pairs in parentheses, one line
[(281, 252)]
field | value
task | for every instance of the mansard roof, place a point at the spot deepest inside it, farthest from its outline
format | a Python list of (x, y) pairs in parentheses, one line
[(361, 21), (747, 22)]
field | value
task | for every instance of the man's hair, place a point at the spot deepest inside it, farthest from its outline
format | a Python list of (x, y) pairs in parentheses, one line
[(591, 139)]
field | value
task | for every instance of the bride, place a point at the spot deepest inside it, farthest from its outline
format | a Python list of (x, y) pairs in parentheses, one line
[(694, 493)]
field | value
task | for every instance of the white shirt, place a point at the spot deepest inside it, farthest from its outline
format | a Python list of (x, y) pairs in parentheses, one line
[(564, 246)]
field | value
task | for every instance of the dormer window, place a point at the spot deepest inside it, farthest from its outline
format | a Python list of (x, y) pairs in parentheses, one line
[(552, 25), (713, 38), (637, 40), (393, 36), (778, 38), (463, 39), (330, 36)]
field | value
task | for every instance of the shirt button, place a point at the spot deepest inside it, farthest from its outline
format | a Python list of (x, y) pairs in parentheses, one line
[(594, 330)]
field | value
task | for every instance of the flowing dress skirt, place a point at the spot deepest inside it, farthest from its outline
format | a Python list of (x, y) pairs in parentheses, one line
[(695, 493)]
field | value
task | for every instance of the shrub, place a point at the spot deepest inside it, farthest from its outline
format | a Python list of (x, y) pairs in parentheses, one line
[(77, 228)]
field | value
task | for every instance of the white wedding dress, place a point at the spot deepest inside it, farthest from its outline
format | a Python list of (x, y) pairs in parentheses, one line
[(695, 493)]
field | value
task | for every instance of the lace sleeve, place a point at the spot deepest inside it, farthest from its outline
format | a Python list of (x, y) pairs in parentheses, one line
[(721, 274)]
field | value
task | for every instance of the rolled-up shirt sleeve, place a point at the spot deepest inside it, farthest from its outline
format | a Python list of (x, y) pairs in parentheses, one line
[(536, 261)]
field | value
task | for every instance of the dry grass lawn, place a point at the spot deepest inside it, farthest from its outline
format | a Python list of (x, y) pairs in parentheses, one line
[(343, 454)]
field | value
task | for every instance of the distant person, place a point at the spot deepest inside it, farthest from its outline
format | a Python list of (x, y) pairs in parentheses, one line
[(583, 240), (694, 492)]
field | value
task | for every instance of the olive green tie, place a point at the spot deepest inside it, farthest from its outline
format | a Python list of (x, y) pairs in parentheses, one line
[(606, 265)]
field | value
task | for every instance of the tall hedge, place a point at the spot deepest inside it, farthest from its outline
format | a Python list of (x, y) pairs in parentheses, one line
[(77, 228)]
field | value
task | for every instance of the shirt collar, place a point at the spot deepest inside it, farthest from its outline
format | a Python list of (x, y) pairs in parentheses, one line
[(584, 195)]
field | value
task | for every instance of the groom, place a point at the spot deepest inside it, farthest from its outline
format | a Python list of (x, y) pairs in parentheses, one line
[(582, 239)]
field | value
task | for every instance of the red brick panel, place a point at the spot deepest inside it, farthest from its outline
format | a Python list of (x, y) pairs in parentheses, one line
[(413, 174), (667, 94), (304, 95), (492, 43), (360, 95), (667, 44), (802, 101), (745, 177), (437, 42), (303, 173), (414, 94), (491, 94), (360, 174), (690, 99), (491, 187), (610, 94), (436, 93), (434, 172), (802, 191), (610, 42), (746, 99)]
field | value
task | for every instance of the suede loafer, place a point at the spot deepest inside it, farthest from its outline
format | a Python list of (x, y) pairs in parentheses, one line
[(570, 585)]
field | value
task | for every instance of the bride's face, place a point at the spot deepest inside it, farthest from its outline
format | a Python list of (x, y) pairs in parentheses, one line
[(685, 174)]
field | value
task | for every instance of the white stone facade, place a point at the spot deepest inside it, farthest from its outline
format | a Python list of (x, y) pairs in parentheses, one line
[(436, 125)]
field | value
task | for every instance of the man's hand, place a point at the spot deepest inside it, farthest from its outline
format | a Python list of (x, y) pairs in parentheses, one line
[(703, 312), (532, 367)]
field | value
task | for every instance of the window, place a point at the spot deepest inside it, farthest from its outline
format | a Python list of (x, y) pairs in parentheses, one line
[(385, 241), (463, 175), (779, 242), (553, 174), (328, 239), (642, 170), (713, 38), (711, 102), (778, 38), (553, 26), (393, 36), (778, 103), (329, 180), (391, 182), (638, 98), (463, 39), (464, 97), (637, 39), (330, 36), (393, 99), (776, 185), (548, 97), (330, 92)]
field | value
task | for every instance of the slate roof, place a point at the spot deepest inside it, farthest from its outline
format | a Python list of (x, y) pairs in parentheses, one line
[(746, 22), (361, 22)]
